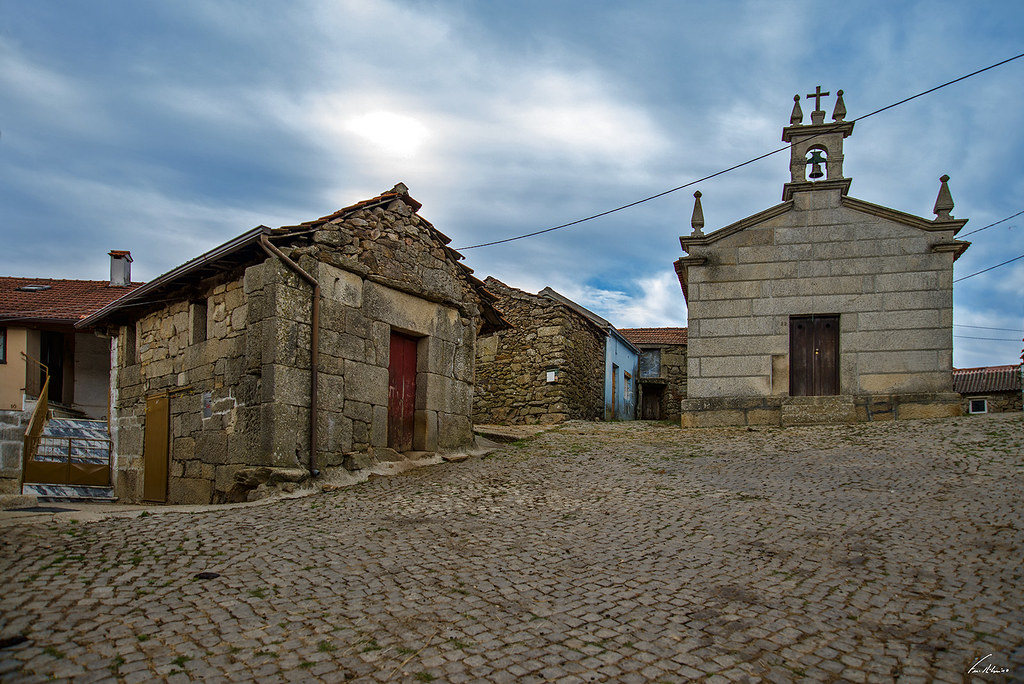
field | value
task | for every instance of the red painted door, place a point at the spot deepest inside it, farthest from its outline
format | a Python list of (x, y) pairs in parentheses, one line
[(401, 392)]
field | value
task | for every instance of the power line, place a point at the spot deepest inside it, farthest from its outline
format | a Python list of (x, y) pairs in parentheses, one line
[(1008, 261), (731, 168), (993, 224), (993, 339), (986, 327)]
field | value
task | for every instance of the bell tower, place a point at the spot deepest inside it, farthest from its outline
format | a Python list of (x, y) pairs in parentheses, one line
[(816, 144)]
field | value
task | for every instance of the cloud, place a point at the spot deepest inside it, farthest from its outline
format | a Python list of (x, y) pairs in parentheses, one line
[(655, 301)]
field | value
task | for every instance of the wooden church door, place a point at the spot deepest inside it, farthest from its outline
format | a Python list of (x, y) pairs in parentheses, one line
[(813, 356)]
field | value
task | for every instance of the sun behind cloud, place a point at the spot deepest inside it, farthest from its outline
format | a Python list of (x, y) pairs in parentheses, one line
[(394, 134)]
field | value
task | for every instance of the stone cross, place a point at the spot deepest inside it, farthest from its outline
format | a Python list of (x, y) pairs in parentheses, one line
[(817, 95)]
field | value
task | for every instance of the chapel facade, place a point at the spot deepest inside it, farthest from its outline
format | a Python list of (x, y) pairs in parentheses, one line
[(824, 308)]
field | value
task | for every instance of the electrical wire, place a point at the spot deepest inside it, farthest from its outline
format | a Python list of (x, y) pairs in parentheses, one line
[(993, 224), (986, 327), (992, 339), (985, 270), (731, 168)]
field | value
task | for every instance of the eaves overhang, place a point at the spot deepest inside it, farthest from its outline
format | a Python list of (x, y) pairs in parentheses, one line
[(230, 255)]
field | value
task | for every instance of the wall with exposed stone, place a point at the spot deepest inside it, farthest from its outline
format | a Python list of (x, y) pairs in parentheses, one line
[(240, 398), (512, 365), (213, 385), (997, 402)]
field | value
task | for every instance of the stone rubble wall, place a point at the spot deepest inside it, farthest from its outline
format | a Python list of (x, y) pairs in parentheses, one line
[(998, 402), (512, 365), (205, 450)]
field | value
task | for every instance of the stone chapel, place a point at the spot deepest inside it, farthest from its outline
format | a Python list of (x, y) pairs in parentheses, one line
[(824, 308)]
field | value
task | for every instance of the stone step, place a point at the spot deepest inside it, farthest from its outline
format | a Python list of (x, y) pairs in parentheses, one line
[(67, 493), (818, 410)]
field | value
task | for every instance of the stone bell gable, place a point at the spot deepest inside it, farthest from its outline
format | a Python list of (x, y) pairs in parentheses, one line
[(824, 307), (329, 348)]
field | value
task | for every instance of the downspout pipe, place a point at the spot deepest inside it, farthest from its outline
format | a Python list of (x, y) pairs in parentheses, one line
[(314, 351)]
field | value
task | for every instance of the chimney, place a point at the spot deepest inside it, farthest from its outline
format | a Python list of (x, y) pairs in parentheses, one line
[(120, 268)]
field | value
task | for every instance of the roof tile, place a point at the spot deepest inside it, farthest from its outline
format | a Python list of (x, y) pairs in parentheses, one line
[(62, 301), (986, 379), (655, 335)]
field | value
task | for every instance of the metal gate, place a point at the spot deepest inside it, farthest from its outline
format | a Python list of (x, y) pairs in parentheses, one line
[(73, 458)]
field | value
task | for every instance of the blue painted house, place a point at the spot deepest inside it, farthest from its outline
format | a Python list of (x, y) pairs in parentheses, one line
[(621, 360)]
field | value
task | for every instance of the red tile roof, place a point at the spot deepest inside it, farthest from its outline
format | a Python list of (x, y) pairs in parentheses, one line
[(986, 379), (655, 335), (55, 301)]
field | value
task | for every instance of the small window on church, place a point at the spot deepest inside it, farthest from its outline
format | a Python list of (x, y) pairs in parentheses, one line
[(978, 406)]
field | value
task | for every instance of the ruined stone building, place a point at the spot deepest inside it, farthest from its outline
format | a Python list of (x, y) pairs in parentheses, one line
[(334, 344), (557, 361), (824, 307), (661, 374)]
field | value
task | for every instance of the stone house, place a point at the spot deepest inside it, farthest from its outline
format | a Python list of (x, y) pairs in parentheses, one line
[(822, 308), (990, 389), (661, 374), (557, 361), (334, 345), (545, 368), (41, 349)]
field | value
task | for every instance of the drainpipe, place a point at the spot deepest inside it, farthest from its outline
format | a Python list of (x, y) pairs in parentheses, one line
[(314, 351)]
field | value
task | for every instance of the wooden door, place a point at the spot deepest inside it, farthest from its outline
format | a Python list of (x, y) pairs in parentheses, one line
[(155, 449), (813, 356), (615, 392), (650, 406), (401, 392), (51, 351)]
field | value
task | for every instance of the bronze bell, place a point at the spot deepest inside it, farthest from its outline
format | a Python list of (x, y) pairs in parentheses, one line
[(816, 161)]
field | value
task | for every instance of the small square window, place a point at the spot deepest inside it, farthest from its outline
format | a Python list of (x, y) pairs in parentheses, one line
[(978, 406)]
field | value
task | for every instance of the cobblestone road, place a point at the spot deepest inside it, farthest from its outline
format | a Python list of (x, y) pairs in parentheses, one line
[(594, 552)]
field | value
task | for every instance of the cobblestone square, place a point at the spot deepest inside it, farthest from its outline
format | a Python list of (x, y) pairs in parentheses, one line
[(619, 552)]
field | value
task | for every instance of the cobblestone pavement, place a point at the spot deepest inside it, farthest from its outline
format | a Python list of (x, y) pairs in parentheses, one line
[(593, 552)]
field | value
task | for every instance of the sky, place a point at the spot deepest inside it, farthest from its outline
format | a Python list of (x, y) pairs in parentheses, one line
[(168, 128)]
